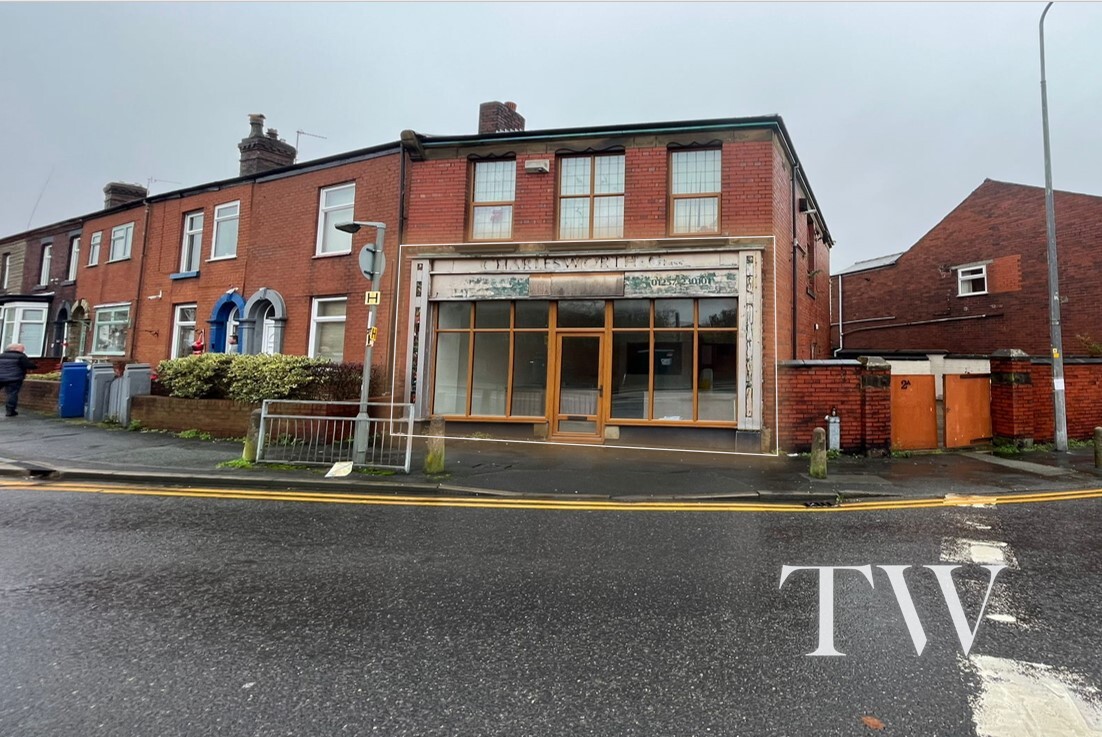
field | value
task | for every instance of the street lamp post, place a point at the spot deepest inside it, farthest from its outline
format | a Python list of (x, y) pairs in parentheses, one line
[(1059, 408), (372, 263)]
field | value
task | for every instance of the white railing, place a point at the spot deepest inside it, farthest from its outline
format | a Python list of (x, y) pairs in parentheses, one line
[(323, 433)]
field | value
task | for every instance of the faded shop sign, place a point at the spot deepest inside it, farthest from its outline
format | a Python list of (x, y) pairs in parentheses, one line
[(688, 283)]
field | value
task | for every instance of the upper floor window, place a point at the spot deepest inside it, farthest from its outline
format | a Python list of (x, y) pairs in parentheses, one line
[(336, 208), (591, 197), (971, 280), (694, 191), (225, 230), (93, 248), (47, 261), (5, 271), (192, 249), (492, 200), (74, 257), (122, 237)]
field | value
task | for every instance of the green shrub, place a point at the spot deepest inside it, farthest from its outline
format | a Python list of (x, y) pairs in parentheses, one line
[(205, 376), (48, 376), (340, 382), (260, 377)]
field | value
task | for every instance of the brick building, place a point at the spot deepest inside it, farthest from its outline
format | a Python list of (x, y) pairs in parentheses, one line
[(978, 281), (612, 283)]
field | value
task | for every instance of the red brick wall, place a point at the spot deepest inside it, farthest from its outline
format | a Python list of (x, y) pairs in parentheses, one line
[(221, 418), (859, 395), (1022, 402), (1006, 224), (40, 396)]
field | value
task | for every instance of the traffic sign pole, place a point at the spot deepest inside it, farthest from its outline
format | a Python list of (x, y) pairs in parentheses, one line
[(372, 263)]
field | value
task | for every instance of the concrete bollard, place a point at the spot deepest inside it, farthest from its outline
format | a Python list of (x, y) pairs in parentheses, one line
[(252, 437), (434, 455), (1098, 447), (818, 454)]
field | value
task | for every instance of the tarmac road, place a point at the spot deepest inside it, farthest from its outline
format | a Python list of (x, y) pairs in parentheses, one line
[(173, 615)]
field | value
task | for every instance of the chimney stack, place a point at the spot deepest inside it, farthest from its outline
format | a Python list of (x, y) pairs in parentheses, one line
[(498, 117), (260, 152), (119, 193)]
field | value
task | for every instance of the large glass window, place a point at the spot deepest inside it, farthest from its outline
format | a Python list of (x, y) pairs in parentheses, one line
[(492, 200), (591, 197), (226, 220), (183, 330), (327, 328), (674, 360), (122, 238), (694, 191), (491, 359), (109, 330), (336, 207), (192, 248), (24, 323)]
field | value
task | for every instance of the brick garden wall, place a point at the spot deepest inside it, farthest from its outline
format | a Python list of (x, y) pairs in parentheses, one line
[(1022, 404), (221, 418), (40, 396), (858, 391)]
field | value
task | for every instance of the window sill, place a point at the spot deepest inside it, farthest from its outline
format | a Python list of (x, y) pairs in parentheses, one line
[(184, 275), (68, 283), (39, 287), (973, 294), (117, 260), (221, 258), (334, 253)]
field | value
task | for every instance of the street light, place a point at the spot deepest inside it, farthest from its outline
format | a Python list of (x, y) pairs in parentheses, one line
[(1059, 410), (372, 263)]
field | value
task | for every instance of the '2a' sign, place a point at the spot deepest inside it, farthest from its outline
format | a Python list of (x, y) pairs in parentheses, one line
[(944, 573)]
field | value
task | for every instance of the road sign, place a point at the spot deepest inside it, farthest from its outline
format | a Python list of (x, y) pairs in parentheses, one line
[(372, 298), (372, 335), (372, 263)]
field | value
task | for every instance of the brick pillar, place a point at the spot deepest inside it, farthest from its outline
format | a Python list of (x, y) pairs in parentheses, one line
[(1011, 398), (876, 405)]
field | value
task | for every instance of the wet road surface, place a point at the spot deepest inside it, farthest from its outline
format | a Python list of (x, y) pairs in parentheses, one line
[(180, 616)]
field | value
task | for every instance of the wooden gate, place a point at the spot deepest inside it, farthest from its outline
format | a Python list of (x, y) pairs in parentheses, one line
[(914, 413), (967, 410)]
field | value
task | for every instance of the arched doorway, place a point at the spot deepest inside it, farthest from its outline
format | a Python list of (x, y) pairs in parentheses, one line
[(224, 323), (77, 337), (263, 322)]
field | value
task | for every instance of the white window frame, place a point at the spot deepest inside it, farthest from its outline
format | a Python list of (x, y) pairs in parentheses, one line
[(315, 319), (74, 257), (177, 323), (12, 320), (122, 236), (102, 312), (967, 275), (93, 248), (5, 265), (323, 211), (219, 218), (192, 244), (45, 265)]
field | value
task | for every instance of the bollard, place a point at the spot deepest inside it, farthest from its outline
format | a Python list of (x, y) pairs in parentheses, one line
[(818, 454), (1098, 447), (434, 455), (252, 437)]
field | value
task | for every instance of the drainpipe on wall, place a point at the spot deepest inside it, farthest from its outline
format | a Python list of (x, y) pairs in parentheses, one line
[(795, 271), (841, 336), (391, 348), (138, 298)]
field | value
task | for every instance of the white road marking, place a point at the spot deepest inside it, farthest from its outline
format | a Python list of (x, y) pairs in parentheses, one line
[(1019, 699), (979, 552)]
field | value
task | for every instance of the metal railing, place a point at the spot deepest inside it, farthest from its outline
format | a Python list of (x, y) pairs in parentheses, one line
[(322, 433)]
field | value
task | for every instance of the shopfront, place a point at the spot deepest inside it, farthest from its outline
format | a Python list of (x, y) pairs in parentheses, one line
[(580, 347)]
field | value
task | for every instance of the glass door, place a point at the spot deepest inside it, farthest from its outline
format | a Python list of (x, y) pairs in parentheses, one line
[(577, 409)]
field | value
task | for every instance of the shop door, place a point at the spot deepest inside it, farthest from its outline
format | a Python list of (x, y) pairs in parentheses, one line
[(579, 394)]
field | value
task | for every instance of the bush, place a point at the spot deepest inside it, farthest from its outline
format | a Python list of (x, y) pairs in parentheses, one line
[(260, 377), (205, 376), (340, 382)]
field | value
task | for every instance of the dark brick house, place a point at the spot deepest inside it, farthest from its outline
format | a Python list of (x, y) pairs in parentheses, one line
[(978, 281)]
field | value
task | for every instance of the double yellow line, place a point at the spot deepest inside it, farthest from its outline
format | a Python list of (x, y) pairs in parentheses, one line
[(545, 504)]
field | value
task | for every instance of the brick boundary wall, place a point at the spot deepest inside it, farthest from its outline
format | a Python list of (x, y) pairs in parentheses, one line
[(1021, 398), (222, 418), (38, 395), (858, 391)]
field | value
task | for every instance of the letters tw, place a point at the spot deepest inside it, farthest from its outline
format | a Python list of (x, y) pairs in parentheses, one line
[(944, 575)]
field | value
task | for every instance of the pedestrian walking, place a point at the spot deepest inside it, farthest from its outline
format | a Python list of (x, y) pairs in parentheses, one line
[(14, 366)]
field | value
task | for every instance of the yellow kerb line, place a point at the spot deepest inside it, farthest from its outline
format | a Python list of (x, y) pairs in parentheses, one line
[(546, 504)]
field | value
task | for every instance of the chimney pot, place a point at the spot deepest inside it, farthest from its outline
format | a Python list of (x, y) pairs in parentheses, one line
[(273, 133)]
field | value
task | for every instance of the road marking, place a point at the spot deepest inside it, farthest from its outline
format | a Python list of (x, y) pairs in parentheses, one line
[(1019, 699), (529, 503)]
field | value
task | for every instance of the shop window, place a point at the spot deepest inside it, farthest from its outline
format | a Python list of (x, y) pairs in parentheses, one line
[(109, 330), (694, 191), (492, 200), (591, 197)]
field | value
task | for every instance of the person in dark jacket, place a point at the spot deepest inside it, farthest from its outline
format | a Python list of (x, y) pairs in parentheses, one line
[(14, 366)]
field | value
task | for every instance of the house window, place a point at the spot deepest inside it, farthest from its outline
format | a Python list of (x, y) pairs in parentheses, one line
[(591, 197), (109, 330), (121, 239), (24, 322), (47, 258), (694, 191), (336, 207), (327, 329), (492, 200), (74, 257), (971, 280), (93, 248), (225, 230), (192, 249), (5, 271), (474, 373), (183, 330)]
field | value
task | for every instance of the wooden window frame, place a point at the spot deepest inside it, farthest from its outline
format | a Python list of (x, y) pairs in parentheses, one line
[(592, 196), (673, 198), (472, 206)]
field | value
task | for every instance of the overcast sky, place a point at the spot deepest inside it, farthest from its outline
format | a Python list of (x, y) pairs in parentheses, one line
[(898, 111)]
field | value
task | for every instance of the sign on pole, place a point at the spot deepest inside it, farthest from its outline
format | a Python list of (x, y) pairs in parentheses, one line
[(372, 298)]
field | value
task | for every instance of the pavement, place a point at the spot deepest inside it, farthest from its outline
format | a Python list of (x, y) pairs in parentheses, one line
[(33, 444)]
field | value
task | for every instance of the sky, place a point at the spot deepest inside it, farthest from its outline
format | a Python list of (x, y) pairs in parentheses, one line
[(897, 110)]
